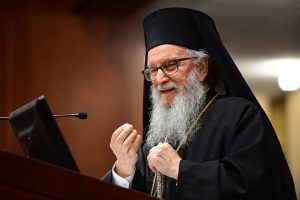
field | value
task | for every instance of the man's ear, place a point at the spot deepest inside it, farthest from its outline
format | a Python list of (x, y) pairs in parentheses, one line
[(203, 69)]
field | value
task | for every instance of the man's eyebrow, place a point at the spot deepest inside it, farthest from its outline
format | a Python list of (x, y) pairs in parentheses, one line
[(165, 61)]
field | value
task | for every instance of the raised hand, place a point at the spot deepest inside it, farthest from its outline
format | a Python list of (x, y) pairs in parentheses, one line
[(124, 144)]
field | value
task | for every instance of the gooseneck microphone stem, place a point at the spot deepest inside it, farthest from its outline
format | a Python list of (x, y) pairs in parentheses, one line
[(81, 115), (65, 115)]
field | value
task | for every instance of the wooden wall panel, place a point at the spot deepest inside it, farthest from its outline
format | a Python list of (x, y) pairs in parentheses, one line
[(80, 63), (16, 71)]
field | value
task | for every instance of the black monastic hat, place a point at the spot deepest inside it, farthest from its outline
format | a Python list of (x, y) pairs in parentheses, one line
[(194, 30)]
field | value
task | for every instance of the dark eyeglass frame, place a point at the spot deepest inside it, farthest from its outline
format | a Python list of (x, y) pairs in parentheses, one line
[(151, 72)]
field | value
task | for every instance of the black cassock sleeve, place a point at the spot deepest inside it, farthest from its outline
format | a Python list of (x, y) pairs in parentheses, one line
[(233, 162)]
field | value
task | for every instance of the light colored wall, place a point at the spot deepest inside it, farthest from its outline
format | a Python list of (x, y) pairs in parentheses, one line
[(284, 113), (264, 101), (293, 136), (278, 119), (275, 110)]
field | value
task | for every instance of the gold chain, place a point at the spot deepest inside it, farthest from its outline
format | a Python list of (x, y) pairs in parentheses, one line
[(186, 136)]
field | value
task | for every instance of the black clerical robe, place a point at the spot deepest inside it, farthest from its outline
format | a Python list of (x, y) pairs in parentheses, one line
[(228, 158)]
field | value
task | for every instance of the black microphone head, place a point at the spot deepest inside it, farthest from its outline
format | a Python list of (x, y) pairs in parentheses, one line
[(82, 115)]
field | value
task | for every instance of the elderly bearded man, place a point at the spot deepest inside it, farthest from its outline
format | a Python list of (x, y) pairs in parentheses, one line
[(206, 136)]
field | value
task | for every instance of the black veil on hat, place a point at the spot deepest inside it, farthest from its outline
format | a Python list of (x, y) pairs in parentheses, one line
[(195, 30)]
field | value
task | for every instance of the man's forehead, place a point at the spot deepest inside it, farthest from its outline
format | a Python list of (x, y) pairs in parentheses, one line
[(165, 52)]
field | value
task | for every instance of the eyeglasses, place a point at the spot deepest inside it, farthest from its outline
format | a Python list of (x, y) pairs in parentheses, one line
[(168, 68)]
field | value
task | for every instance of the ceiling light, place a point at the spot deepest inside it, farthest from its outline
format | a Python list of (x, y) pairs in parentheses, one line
[(288, 74)]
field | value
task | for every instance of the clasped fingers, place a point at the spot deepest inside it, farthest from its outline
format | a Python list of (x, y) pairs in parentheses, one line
[(165, 159)]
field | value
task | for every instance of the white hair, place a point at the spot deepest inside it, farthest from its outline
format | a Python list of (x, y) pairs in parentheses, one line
[(199, 54)]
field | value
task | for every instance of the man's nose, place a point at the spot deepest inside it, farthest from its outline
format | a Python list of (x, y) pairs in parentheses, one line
[(161, 77)]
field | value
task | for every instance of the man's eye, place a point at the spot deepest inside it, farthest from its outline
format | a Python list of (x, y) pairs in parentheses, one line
[(171, 65), (171, 62), (153, 70)]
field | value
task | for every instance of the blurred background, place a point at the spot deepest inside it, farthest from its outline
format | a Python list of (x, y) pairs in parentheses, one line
[(86, 55)]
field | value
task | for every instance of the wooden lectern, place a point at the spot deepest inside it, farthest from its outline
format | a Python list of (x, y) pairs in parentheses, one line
[(23, 178)]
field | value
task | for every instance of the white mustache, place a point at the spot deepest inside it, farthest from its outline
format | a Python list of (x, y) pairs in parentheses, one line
[(168, 86)]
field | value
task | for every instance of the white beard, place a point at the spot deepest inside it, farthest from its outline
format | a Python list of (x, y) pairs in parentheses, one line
[(178, 118)]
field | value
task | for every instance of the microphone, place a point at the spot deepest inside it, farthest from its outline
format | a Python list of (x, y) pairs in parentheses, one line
[(81, 115)]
